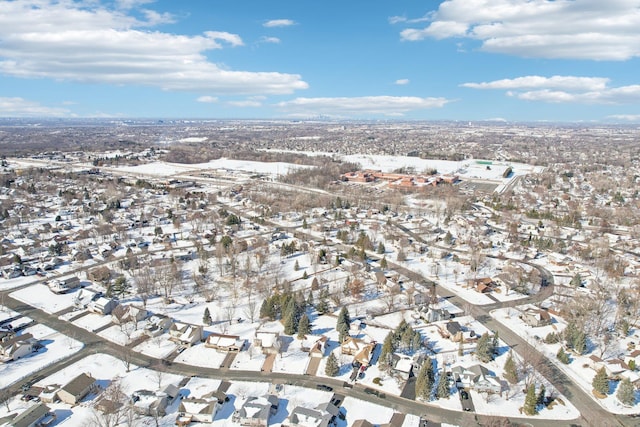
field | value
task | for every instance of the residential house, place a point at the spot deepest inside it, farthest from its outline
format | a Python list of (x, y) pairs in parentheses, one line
[(228, 343), (38, 415), (76, 389), (361, 351), (482, 284), (256, 411), (437, 315), (157, 325), (61, 286), (361, 423), (315, 345), (322, 416), (401, 366), (200, 410), (17, 347), (535, 317), (102, 305), (454, 331), (268, 342), (122, 314), (149, 403), (476, 377), (185, 333)]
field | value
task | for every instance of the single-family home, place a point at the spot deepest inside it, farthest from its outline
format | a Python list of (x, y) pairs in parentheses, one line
[(535, 317), (455, 331), (267, 341), (146, 402), (476, 377), (17, 346), (226, 343), (157, 325), (185, 333), (125, 313), (102, 305), (322, 415), (401, 366), (314, 345), (38, 415), (63, 285), (256, 411), (197, 410), (361, 350), (76, 389)]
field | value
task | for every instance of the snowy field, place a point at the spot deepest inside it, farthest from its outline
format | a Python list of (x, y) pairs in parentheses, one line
[(39, 296), (6, 284)]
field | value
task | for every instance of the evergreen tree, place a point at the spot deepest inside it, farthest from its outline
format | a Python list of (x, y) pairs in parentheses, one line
[(383, 263), (530, 401), (384, 361), (576, 281), (563, 356), (296, 266), (580, 343), (206, 317), (343, 323), (484, 348), (332, 368), (600, 382), (510, 371), (310, 299), (495, 343), (304, 326), (442, 389), (289, 324), (541, 393), (424, 380), (381, 249), (626, 393)]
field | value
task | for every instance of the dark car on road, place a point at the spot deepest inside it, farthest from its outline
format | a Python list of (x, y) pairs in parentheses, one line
[(324, 387)]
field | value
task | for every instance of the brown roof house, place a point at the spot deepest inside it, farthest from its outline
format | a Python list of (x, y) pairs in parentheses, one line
[(76, 389), (536, 317)]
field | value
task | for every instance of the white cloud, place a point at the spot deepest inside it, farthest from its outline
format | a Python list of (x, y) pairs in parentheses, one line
[(402, 81), (563, 89), (19, 107), (279, 23), (588, 29), (563, 82), (207, 99), (245, 103), (366, 105), (93, 44), (266, 39)]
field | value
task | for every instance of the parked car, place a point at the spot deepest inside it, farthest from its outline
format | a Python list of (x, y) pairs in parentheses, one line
[(324, 387)]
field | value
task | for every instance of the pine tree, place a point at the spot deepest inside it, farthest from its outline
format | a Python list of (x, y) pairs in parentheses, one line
[(530, 401), (424, 381), (442, 389), (381, 248), (495, 343), (343, 323), (510, 371), (304, 327), (580, 343), (484, 348), (296, 266), (206, 317), (563, 356), (541, 393), (600, 382), (384, 361), (626, 393), (332, 368), (289, 324), (383, 263)]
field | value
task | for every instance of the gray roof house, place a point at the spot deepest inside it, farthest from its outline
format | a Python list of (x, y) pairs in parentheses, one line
[(256, 411)]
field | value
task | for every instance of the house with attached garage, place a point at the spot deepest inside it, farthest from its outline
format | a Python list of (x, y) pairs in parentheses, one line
[(227, 343), (476, 377), (185, 333), (38, 415), (77, 389)]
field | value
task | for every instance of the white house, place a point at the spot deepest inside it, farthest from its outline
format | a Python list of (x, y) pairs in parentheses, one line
[(102, 305), (185, 334)]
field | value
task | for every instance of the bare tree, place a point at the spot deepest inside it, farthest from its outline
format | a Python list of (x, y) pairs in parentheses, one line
[(112, 404)]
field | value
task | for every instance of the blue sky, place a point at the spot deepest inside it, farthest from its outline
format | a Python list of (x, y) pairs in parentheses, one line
[(516, 60)]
